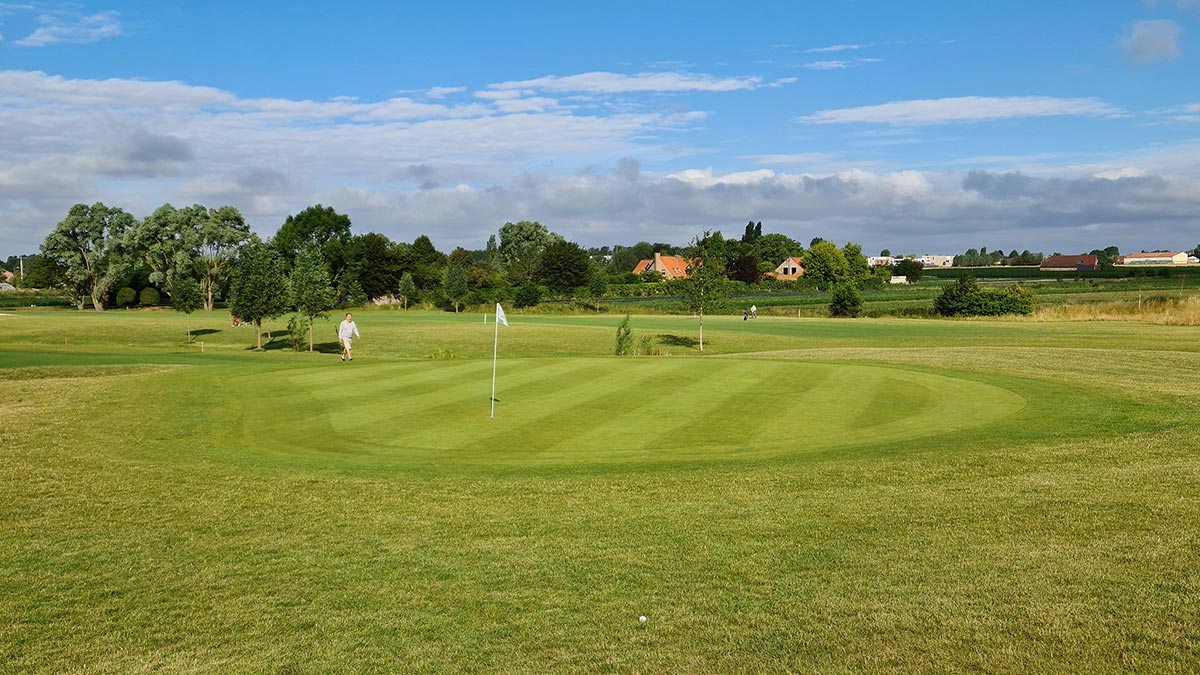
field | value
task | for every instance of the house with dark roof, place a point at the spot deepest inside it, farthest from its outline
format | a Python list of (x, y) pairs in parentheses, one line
[(670, 266), (1070, 263)]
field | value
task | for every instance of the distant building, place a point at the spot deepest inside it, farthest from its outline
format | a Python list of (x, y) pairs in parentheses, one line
[(789, 270), (670, 266), (1070, 263), (897, 280), (882, 261), (6, 277), (937, 260), (1155, 258)]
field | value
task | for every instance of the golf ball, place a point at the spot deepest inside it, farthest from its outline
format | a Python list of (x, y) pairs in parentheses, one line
[(642, 619)]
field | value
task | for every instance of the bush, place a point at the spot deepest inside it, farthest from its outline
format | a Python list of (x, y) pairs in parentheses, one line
[(528, 295), (913, 269), (126, 297), (624, 338), (297, 332), (965, 298), (149, 297), (846, 301)]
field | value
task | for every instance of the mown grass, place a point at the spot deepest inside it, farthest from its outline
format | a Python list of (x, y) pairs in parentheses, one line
[(890, 496)]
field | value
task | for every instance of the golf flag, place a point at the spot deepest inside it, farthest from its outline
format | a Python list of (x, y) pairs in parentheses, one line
[(500, 319)]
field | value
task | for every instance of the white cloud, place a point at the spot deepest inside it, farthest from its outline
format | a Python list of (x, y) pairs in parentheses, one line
[(792, 159), (962, 109), (614, 83), (65, 26), (834, 48), (443, 92), (1152, 41), (826, 65)]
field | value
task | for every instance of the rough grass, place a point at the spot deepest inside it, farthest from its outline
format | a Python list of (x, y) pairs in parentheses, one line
[(1156, 309), (273, 512)]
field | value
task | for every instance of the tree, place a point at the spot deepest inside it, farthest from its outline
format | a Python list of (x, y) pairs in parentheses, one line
[(375, 262), (885, 253), (815, 241), (705, 288), (846, 301), (597, 287), (774, 248), (258, 285), (455, 284), (185, 293), (564, 266), (91, 244), (309, 288), (857, 267), (911, 269), (825, 263), (1106, 257), (743, 268), (160, 237), (521, 244), (318, 226), (221, 234), (752, 233), (407, 289)]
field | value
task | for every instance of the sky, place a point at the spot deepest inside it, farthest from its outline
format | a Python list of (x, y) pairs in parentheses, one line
[(921, 127)]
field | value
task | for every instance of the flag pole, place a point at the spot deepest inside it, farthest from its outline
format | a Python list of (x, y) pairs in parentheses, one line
[(495, 349)]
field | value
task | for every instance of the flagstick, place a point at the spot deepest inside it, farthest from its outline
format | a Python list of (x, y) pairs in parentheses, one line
[(495, 349)]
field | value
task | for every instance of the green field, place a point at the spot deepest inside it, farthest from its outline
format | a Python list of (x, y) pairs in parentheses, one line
[(807, 495)]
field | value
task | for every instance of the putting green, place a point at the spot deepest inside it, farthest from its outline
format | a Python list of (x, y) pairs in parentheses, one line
[(573, 410)]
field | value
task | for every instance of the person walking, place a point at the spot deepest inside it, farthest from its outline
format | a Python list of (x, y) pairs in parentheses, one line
[(346, 330), (753, 311)]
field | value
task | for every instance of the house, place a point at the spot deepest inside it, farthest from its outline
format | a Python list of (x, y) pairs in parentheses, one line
[(789, 270), (937, 260), (882, 261), (670, 266), (1155, 258), (1070, 263), (6, 276)]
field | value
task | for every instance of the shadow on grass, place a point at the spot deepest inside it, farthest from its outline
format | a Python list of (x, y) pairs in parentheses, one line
[(678, 341), (200, 332), (280, 343)]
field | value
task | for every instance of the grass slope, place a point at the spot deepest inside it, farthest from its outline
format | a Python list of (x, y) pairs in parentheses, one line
[(813, 496)]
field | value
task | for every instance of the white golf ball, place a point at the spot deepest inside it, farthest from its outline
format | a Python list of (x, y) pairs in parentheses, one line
[(642, 619)]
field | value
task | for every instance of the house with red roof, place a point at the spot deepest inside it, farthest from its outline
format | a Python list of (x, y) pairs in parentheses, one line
[(670, 266), (1070, 263), (789, 270)]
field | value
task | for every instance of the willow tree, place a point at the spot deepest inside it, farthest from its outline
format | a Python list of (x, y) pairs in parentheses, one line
[(92, 245)]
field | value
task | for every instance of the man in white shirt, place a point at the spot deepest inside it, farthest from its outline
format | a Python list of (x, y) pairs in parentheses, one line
[(346, 330)]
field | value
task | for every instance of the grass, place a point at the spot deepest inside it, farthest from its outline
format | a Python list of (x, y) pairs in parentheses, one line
[(891, 496)]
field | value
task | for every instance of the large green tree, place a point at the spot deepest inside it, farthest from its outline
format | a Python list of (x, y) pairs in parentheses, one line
[(92, 246), (310, 289), (521, 245), (319, 226), (857, 267), (564, 266), (774, 248), (221, 234), (455, 285), (705, 287), (258, 285), (161, 236), (824, 263), (375, 262)]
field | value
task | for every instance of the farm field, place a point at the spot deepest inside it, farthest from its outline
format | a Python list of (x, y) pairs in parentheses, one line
[(807, 495)]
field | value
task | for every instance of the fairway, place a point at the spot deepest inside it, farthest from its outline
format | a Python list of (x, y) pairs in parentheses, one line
[(831, 496)]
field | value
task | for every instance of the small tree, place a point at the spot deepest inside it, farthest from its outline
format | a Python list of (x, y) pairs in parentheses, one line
[(705, 288), (311, 292), (911, 269), (407, 289), (186, 297), (258, 286), (126, 296), (455, 285), (846, 301), (149, 297), (624, 338), (597, 287)]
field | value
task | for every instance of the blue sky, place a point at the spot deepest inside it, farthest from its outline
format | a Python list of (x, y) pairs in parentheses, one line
[(920, 127)]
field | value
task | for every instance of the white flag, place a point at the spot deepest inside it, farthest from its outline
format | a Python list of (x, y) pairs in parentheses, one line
[(500, 318)]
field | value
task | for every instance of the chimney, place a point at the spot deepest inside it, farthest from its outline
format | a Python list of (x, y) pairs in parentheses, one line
[(658, 263)]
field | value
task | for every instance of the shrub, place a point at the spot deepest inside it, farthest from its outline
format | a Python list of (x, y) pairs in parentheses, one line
[(624, 338), (528, 295), (846, 301), (126, 296), (297, 332), (149, 297), (965, 298)]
